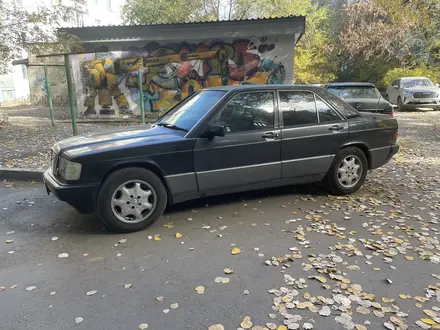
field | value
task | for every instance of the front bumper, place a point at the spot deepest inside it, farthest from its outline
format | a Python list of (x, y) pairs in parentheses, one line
[(412, 103), (80, 196)]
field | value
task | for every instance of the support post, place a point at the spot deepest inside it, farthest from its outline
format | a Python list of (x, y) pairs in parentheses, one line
[(49, 95), (69, 88), (141, 96)]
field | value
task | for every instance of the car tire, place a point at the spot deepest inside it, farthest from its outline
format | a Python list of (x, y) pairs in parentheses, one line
[(400, 106), (131, 199), (352, 163)]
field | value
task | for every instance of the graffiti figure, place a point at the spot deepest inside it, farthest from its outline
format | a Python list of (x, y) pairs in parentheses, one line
[(104, 83)]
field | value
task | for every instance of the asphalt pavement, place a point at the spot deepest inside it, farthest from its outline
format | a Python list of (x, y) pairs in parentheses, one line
[(304, 258)]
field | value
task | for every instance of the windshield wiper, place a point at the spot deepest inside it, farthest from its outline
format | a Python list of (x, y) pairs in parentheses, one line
[(171, 126)]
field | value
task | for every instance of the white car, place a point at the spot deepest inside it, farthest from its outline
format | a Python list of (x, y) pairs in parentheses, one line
[(414, 93)]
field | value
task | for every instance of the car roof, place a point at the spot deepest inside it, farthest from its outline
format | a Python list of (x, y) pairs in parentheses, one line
[(351, 84), (257, 87)]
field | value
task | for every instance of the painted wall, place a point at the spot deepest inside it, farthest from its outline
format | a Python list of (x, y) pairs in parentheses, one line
[(58, 82), (107, 83)]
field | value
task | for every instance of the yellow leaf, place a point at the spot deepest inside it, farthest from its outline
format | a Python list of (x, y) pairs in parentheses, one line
[(306, 295), (282, 327), (235, 251), (157, 238), (410, 258), (321, 279), (228, 271), (428, 321), (403, 296), (179, 235), (376, 269)]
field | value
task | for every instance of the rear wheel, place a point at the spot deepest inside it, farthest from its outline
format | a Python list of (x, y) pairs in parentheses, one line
[(131, 199), (347, 172)]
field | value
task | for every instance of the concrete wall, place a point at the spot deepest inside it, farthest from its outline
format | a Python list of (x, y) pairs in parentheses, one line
[(106, 84), (58, 82)]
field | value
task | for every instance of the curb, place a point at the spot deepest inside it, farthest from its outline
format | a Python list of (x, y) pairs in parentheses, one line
[(22, 174)]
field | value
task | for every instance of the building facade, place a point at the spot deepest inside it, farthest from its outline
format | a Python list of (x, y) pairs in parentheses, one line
[(176, 60), (23, 84)]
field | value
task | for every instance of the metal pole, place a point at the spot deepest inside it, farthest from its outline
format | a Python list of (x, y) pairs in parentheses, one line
[(69, 88), (49, 95), (141, 96)]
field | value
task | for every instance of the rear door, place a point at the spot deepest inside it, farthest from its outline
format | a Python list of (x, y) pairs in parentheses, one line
[(250, 152), (312, 133)]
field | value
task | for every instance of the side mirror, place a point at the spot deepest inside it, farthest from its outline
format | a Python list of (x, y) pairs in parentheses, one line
[(438, 85), (395, 87), (214, 130)]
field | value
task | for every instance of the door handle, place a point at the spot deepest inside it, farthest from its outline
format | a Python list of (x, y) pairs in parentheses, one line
[(270, 136), (336, 128)]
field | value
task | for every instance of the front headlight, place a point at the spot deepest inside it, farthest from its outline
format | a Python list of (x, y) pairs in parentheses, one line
[(407, 94), (69, 170)]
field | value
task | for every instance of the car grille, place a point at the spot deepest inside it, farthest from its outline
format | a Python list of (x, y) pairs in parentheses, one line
[(54, 162), (425, 95)]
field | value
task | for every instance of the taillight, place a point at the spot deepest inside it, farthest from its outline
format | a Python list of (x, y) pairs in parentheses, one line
[(395, 136), (391, 114)]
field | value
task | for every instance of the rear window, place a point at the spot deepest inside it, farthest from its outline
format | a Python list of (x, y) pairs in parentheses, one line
[(355, 92), (344, 109)]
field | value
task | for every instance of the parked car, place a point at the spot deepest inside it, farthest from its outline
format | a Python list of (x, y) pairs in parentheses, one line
[(220, 140), (362, 97), (414, 93)]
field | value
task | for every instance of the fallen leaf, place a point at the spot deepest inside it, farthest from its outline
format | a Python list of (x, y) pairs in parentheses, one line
[(409, 258), (179, 235), (91, 293), (143, 326), (157, 238), (428, 321), (246, 292), (122, 241), (235, 251), (225, 280), (30, 288), (200, 289), (216, 327), (228, 271), (166, 311), (128, 285), (160, 298), (246, 323), (174, 306), (403, 296), (78, 320), (63, 255), (9, 241)]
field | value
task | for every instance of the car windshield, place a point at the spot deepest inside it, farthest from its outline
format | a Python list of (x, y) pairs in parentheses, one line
[(355, 92), (419, 82), (186, 114)]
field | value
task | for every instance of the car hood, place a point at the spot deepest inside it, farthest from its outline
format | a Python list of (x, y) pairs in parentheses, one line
[(117, 138)]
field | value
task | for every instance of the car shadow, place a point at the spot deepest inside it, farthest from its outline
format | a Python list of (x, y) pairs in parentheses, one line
[(309, 189)]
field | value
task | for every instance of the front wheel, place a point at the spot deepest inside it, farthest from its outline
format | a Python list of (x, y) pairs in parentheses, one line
[(131, 199), (347, 172)]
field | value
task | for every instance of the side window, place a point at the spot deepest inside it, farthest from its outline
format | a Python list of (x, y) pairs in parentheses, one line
[(298, 108), (247, 112), (325, 113)]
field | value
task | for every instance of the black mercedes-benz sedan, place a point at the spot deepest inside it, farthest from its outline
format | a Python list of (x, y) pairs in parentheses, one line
[(362, 97), (217, 141)]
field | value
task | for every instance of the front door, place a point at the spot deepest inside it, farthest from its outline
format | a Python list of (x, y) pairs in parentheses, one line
[(312, 134), (249, 153)]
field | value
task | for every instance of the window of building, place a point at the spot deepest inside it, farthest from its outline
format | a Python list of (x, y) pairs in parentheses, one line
[(247, 112), (298, 108)]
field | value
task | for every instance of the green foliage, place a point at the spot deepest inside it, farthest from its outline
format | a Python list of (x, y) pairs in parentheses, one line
[(421, 71)]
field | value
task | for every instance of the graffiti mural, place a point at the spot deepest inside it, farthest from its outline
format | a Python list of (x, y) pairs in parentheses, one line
[(172, 71)]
